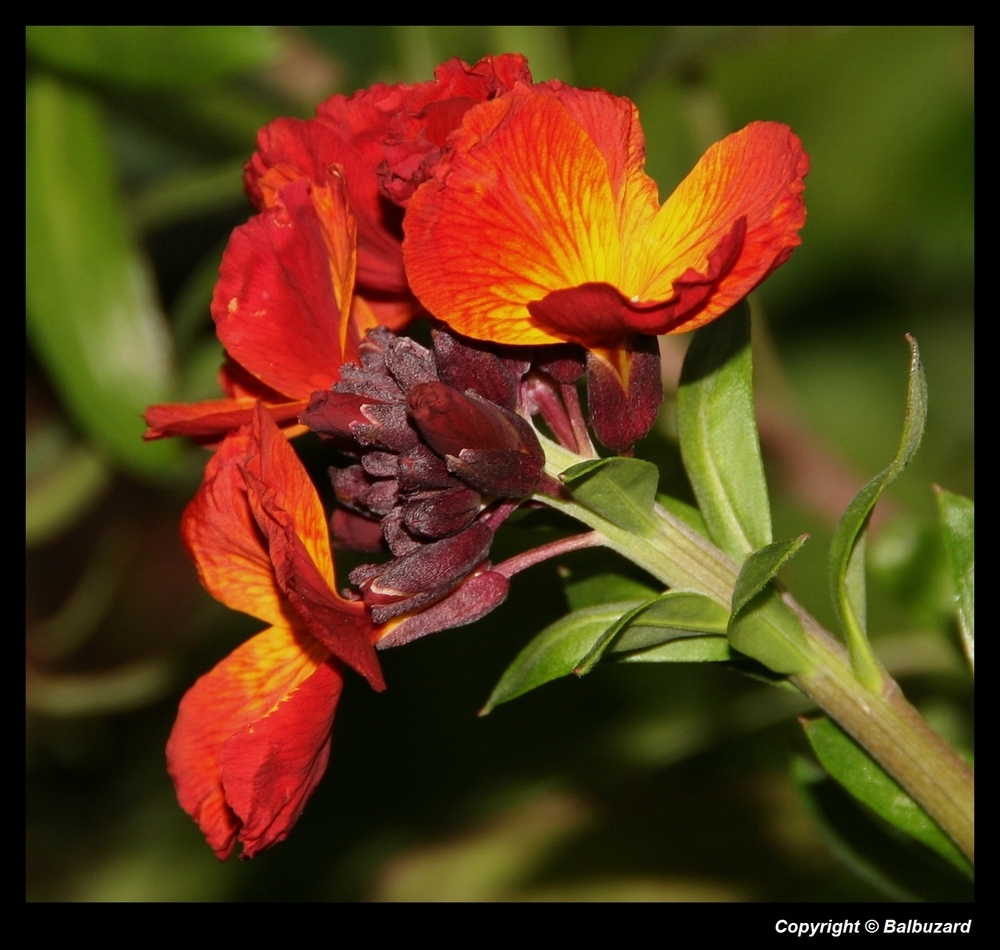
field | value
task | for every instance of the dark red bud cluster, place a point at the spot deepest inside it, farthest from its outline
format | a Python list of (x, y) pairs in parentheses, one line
[(439, 446)]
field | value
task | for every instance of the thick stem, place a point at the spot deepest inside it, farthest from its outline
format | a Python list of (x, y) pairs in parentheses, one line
[(884, 723)]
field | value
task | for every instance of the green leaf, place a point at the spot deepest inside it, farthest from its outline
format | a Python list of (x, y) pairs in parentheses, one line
[(708, 649), (556, 651), (958, 516), (847, 550), (93, 318), (63, 481), (674, 615), (898, 867), (690, 515), (761, 625), (758, 570), (718, 435), (870, 784), (605, 589), (154, 56), (623, 490)]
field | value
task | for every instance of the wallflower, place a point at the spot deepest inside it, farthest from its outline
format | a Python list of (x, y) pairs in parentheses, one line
[(321, 263), (252, 736), (539, 224)]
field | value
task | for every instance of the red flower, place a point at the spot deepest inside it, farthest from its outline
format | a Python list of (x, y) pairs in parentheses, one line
[(539, 224), (252, 736)]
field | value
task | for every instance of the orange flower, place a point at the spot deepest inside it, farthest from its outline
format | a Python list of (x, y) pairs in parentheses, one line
[(539, 224), (285, 307), (252, 736)]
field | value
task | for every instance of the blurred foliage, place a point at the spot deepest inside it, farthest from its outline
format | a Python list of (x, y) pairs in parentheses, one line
[(642, 781)]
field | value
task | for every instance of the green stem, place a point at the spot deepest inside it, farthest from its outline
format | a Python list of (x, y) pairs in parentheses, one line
[(882, 722)]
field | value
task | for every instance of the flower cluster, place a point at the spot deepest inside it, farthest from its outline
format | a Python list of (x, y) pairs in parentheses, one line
[(518, 216)]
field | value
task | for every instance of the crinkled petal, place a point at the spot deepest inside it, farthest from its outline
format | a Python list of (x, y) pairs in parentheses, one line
[(348, 133), (221, 535), (282, 303), (288, 513), (252, 738)]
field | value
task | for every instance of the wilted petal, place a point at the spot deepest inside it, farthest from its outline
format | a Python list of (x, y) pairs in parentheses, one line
[(211, 421), (288, 512), (221, 535), (624, 391), (252, 738), (474, 599)]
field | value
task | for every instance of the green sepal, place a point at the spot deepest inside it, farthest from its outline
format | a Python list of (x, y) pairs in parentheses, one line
[(93, 318), (623, 490), (847, 549), (556, 651), (718, 435), (958, 517), (761, 625), (871, 785)]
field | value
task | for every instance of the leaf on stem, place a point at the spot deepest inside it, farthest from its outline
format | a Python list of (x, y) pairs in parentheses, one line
[(871, 785), (623, 490), (847, 550), (93, 317), (761, 626), (556, 651), (958, 516), (718, 435)]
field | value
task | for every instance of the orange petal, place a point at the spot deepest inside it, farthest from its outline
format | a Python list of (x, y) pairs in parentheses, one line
[(288, 512), (223, 540), (211, 421), (523, 206), (252, 739), (282, 303), (751, 182)]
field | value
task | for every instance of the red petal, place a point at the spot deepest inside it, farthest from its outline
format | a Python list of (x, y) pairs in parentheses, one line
[(348, 133), (284, 276), (252, 738), (211, 421), (287, 510)]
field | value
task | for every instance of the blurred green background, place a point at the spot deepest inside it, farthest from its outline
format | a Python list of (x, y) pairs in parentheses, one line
[(637, 782)]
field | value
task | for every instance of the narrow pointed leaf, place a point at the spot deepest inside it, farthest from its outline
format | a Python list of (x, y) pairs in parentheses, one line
[(759, 569), (556, 651), (605, 589), (623, 490), (761, 626), (707, 649), (718, 435), (870, 784), (672, 615), (93, 319), (958, 515), (675, 615), (847, 579)]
